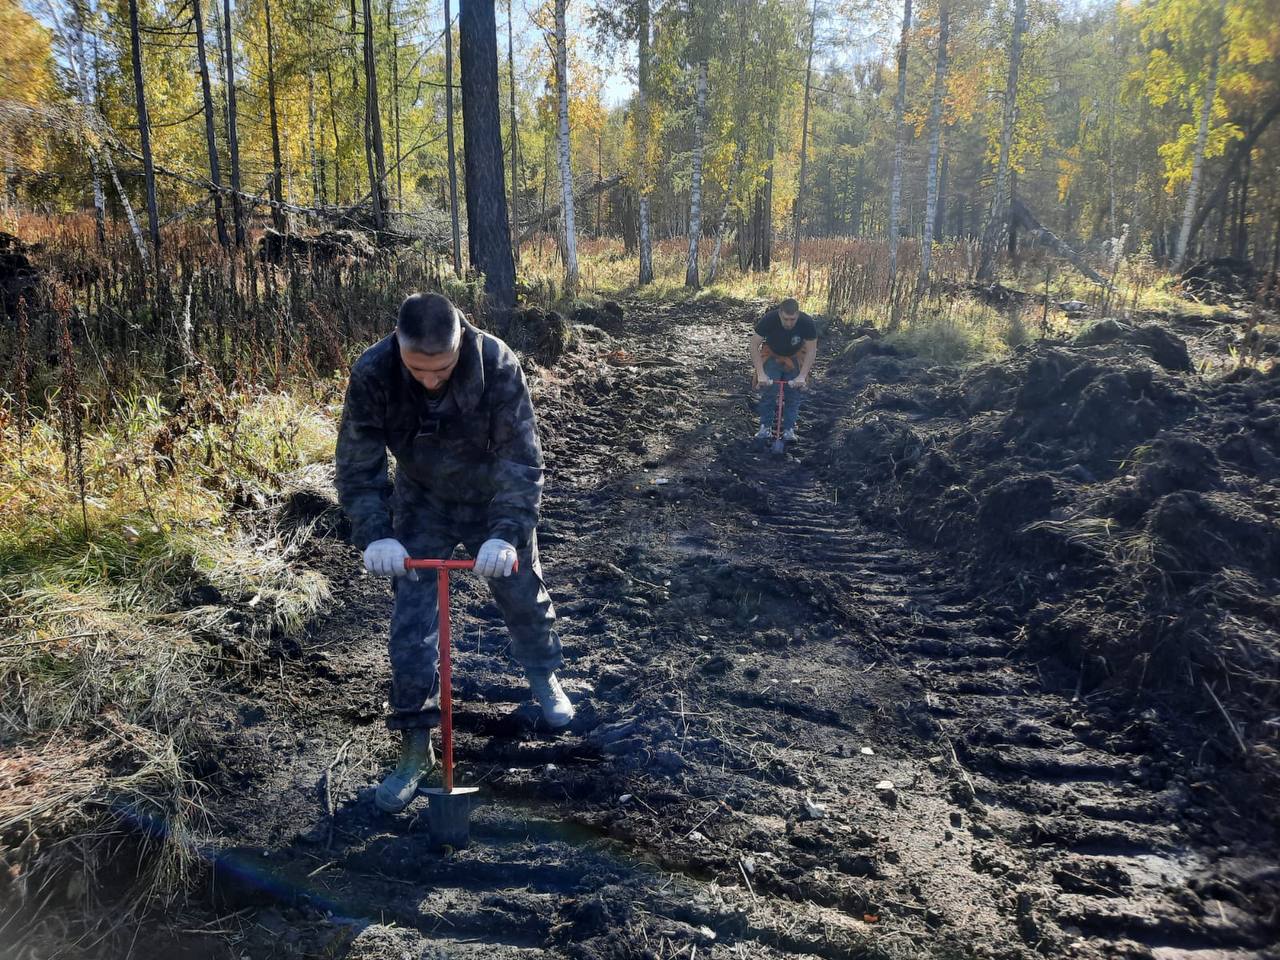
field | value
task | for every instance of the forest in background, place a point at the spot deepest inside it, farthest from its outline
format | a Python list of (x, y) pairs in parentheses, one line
[(1130, 127)]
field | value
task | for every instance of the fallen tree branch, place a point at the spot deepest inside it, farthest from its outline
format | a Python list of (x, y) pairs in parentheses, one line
[(1019, 214)]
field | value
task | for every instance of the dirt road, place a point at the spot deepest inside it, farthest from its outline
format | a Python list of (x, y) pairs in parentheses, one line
[(798, 734)]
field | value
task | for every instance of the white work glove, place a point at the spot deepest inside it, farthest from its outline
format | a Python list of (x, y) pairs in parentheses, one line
[(496, 558), (763, 380), (385, 558), (799, 383)]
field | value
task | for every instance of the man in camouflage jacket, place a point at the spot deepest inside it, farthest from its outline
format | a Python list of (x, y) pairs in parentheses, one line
[(450, 404)]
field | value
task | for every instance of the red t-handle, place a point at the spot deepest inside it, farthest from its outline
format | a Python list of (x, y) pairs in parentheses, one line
[(442, 568)]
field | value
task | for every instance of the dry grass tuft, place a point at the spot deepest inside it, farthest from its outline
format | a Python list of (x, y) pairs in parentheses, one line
[(116, 607)]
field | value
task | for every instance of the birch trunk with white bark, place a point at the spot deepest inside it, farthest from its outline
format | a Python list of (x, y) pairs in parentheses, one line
[(568, 228), (899, 136), (642, 141), (211, 143), (144, 129), (935, 141), (233, 134), (1202, 137), (997, 225), (695, 189)]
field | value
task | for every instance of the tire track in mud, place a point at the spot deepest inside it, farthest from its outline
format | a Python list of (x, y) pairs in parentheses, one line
[(1087, 790), (751, 659)]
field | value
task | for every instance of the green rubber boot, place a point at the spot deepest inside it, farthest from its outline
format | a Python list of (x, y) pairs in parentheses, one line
[(417, 757)]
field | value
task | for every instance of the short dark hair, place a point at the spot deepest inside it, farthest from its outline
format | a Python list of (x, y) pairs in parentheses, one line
[(428, 323), (789, 306)]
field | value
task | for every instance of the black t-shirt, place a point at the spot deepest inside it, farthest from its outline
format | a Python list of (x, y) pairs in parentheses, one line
[(784, 342)]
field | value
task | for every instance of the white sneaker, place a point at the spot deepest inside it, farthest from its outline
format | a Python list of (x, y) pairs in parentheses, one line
[(789, 435), (764, 433), (556, 708)]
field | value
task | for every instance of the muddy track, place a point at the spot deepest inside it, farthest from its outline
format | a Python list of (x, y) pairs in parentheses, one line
[(752, 662)]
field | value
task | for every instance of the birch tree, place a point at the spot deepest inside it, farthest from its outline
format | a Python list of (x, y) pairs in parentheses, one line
[(206, 94), (233, 133), (997, 224), (935, 140), (98, 134), (1202, 137), (695, 187), (644, 179), (144, 129), (804, 140), (899, 143), (568, 232)]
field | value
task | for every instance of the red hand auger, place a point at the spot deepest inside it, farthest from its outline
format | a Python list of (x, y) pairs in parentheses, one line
[(449, 811), (442, 568)]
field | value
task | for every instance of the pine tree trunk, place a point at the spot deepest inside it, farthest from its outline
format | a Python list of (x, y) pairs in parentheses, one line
[(998, 220), (488, 231), (568, 232), (374, 123), (215, 175), (899, 138), (642, 141), (395, 106), (278, 219), (1202, 137), (456, 230), (798, 210), (514, 136), (935, 140), (144, 130), (233, 135), (695, 190)]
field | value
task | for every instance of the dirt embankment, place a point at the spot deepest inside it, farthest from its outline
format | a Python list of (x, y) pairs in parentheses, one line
[(1124, 508)]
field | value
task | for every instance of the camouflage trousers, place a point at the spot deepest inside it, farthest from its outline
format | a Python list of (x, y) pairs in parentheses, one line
[(415, 621)]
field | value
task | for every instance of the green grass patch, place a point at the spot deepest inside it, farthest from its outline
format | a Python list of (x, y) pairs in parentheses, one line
[(118, 605)]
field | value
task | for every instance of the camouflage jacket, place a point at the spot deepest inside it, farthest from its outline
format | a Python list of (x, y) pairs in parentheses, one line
[(475, 457)]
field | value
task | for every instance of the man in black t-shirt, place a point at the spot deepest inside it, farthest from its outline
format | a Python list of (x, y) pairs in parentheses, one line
[(782, 348)]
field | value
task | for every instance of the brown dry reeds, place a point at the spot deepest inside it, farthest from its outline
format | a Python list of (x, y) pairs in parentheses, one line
[(246, 319)]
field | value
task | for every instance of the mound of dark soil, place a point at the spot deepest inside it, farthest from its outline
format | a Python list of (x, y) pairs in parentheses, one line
[(1129, 511), (609, 316), (544, 336), (1221, 281)]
